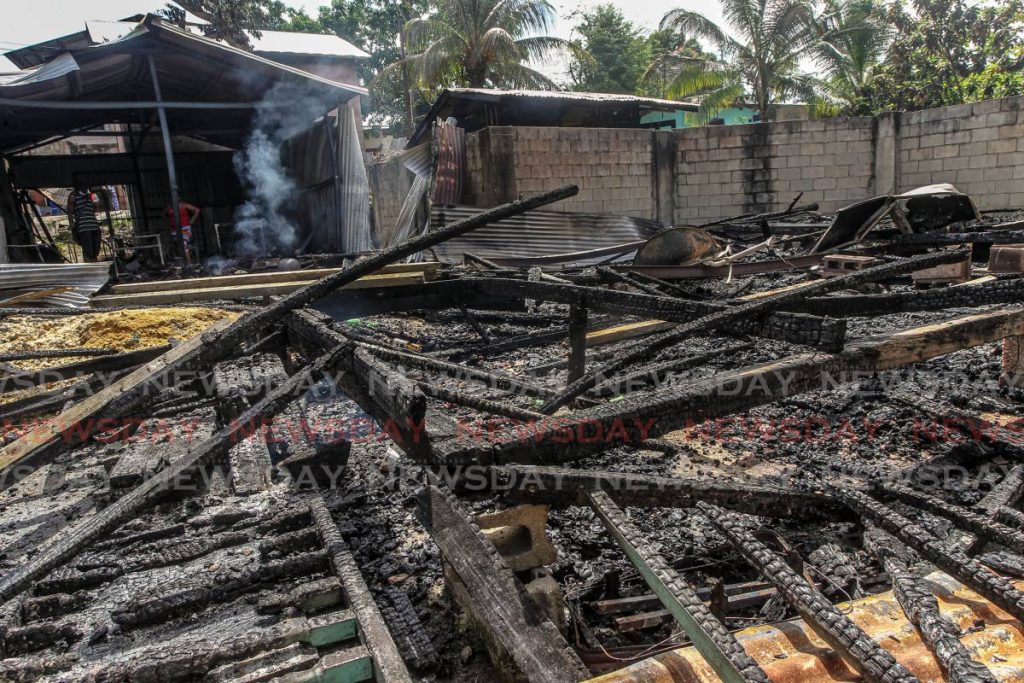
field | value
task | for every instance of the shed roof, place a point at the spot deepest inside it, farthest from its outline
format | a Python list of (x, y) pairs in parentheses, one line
[(479, 107), (99, 31), (209, 88)]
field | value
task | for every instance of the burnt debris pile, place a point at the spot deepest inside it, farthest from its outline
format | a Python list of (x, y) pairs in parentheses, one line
[(774, 447)]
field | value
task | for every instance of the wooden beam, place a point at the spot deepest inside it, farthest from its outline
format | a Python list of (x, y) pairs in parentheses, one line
[(610, 335), (21, 456), (428, 269), (247, 291)]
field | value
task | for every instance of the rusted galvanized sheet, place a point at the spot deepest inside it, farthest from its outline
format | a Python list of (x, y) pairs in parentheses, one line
[(541, 233), (449, 143), (790, 651)]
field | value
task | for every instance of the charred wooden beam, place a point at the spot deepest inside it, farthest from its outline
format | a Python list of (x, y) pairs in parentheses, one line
[(517, 631), (387, 663), (577, 340), (871, 661), (654, 373), (480, 403), (940, 634), (730, 316), (55, 353), (561, 486), (967, 571), (1007, 291), (790, 327), (714, 642), (610, 276), (980, 525), (70, 540), (650, 414), (105, 363), (1007, 493), (475, 324), (317, 333)]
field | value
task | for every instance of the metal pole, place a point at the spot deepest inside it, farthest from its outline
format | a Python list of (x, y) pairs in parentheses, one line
[(169, 153)]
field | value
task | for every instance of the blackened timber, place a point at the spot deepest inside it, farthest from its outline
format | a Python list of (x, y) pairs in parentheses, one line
[(729, 317), (314, 331), (387, 663), (486, 405), (518, 631), (982, 526), (1007, 493), (221, 341), (1003, 291), (54, 353), (614, 276), (70, 540), (654, 373), (986, 237), (105, 363), (966, 570), (795, 328), (405, 404), (577, 340), (871, 661), (940, 634), (651, 414), (559, 486), (715, 643)]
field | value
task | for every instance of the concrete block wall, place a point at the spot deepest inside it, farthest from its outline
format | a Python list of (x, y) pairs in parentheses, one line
[(612, 166), (700, 174), (978, 147), (729, 170)]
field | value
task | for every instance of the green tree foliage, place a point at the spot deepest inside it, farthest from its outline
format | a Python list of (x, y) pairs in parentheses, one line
[(949, 52), (480, 43), (758, 56), (619, 52), (852, 38), (232, 21)]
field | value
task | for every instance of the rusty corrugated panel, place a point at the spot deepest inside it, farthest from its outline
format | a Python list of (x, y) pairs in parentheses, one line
[(790, 652), (449, 143), (540, 233)]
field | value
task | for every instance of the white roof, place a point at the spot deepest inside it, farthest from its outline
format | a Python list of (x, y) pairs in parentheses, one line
[(281, 42), (306, 44)]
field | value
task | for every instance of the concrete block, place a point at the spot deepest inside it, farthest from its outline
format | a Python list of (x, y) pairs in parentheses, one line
[(1002, 145), (984, 134), (947, 273), (1006, 258), (842, 264)]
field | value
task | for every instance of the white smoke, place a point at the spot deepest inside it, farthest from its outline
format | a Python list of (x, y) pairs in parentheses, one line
[(263, 224)]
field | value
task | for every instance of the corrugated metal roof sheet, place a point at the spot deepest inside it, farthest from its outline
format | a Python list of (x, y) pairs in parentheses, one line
[(539, 233), (569, 96), (280, 42)]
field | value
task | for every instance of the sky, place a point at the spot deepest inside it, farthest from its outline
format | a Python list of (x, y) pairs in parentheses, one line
[(30, 21)]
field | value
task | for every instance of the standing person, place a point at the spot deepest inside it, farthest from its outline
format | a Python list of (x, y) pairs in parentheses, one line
[(187, 214), (85, 227)]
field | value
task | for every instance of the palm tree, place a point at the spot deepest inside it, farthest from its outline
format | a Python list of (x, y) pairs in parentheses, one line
[(762, 59), (482, 43), (853, 36)]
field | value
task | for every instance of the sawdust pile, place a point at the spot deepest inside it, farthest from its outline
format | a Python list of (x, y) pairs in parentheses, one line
[(126, 330)]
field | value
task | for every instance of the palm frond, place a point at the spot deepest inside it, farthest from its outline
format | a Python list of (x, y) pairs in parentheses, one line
[(695, 24)]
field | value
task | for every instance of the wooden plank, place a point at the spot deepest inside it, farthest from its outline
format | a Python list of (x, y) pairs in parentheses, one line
[(52, 431), (778, 290), (428, 268), (627, 331), (34, 296), (247, 291)]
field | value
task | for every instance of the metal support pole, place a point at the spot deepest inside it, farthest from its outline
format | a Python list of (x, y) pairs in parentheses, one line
[(577, 340), (172, 173)]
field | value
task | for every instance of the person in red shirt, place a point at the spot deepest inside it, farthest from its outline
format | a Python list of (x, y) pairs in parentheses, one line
[(187, 214)]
